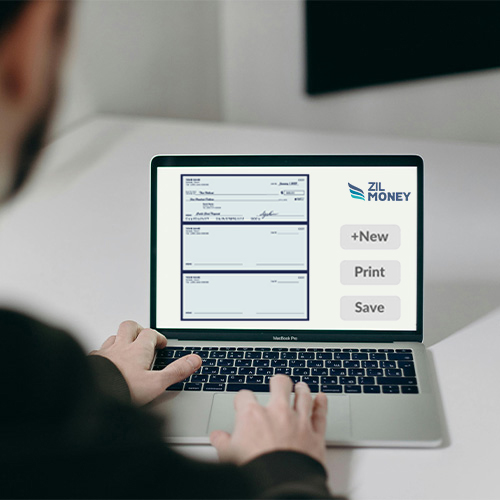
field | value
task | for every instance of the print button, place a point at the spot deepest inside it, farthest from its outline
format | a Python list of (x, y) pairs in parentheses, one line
[(370, 272)]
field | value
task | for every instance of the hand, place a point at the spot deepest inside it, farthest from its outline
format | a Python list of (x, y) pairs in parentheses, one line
[(132, 350), (277, 426)]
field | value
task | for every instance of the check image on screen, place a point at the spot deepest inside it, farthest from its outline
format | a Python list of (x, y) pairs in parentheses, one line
[(245, 247), (318, 248)]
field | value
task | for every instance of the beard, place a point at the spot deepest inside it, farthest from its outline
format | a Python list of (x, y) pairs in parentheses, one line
[(31, 144)]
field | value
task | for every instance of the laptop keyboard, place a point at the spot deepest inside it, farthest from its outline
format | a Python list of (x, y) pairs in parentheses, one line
[(330, 370)]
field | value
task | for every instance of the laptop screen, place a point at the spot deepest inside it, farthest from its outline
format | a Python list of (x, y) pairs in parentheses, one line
[(273, 248)]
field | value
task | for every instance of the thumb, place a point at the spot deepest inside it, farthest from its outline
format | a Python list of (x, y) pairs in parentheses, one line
[(180, 369), (220, 441)]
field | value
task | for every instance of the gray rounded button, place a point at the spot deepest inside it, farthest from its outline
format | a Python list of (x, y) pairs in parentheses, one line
[(386, 308), (370, 236), (370, 272)]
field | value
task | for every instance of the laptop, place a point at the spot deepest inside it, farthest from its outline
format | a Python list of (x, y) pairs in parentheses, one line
[(309, 266)]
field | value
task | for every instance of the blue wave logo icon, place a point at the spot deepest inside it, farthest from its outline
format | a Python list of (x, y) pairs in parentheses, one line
[(356, 193)]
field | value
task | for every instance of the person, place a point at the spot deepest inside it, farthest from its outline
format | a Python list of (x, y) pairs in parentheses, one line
[(74, 426)]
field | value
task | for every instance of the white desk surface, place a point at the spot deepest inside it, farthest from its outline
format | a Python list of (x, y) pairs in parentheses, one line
[(74, 249)]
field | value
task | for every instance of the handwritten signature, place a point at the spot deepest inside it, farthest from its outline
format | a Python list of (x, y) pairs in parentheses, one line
[(265, 214)]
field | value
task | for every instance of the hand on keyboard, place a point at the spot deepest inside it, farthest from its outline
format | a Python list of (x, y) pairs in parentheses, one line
[(277, 426), (132, 350)]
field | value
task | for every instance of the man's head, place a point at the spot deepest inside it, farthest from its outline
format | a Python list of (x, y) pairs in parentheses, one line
[(32, 39)]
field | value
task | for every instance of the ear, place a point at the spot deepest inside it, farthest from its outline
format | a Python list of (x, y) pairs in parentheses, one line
[(25, 55)]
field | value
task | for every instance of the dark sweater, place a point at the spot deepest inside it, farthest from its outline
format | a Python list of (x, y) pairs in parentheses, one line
[(68, 430)]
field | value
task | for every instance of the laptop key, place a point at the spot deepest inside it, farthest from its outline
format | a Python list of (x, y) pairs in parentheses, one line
[(217, 355), (243, 362), (401, 356), (341, 355), (378, 356), (270, 355), (262, 349), (397, 381), (214, 387), (359, 355), (335, 372), (372, 372), (334, 363), (366, 380), (262, 370), (218, 378), (225, 362), (199, 378), (209, 362), (385, 350), (306, 355), (236, 379), (297, 363), (175, 387), (193, 387), (409, 389), (314, 388), (246, 371), (235, 354), (309, 380), (368, 350), (260, 362), (351, 389), (228, 370), (324, 355), (331, 388), (286, 371), (210, 370), (390, 389), (245, 349), (255, 379), (356, 372), (369, 364), (301, 371), (390, 372), (347, 380), (387, 364), (279, 363), (315, 363), (409, 372), (295, 378), (351, 364), (248, 387), (280, 349), (288, 355), (403, 350), (319, 371), (253, 355), (329, 380), (371, 389), (350, 349)]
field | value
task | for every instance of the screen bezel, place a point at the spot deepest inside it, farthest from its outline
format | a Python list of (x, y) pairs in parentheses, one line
[(235, 334)]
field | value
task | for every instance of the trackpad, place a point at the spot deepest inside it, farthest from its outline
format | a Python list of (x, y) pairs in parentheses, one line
[(338, 425)]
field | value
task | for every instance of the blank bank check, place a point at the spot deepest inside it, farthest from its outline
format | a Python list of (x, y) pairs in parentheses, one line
[(244, 247)]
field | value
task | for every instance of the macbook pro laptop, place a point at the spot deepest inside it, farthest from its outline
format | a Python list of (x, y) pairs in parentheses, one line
[(309, 266)]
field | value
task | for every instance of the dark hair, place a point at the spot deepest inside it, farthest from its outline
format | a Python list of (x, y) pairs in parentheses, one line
[(9, 11)]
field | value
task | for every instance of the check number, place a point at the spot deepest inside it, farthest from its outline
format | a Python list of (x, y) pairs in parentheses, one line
[(244, 247)]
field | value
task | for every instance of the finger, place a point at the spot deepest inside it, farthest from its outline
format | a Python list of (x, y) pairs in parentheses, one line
[(108, 342), (180, 369), (303, 400), (149, 336), (128, 331), (220, 441), (243, 399), (319, 413), (280, 388)]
